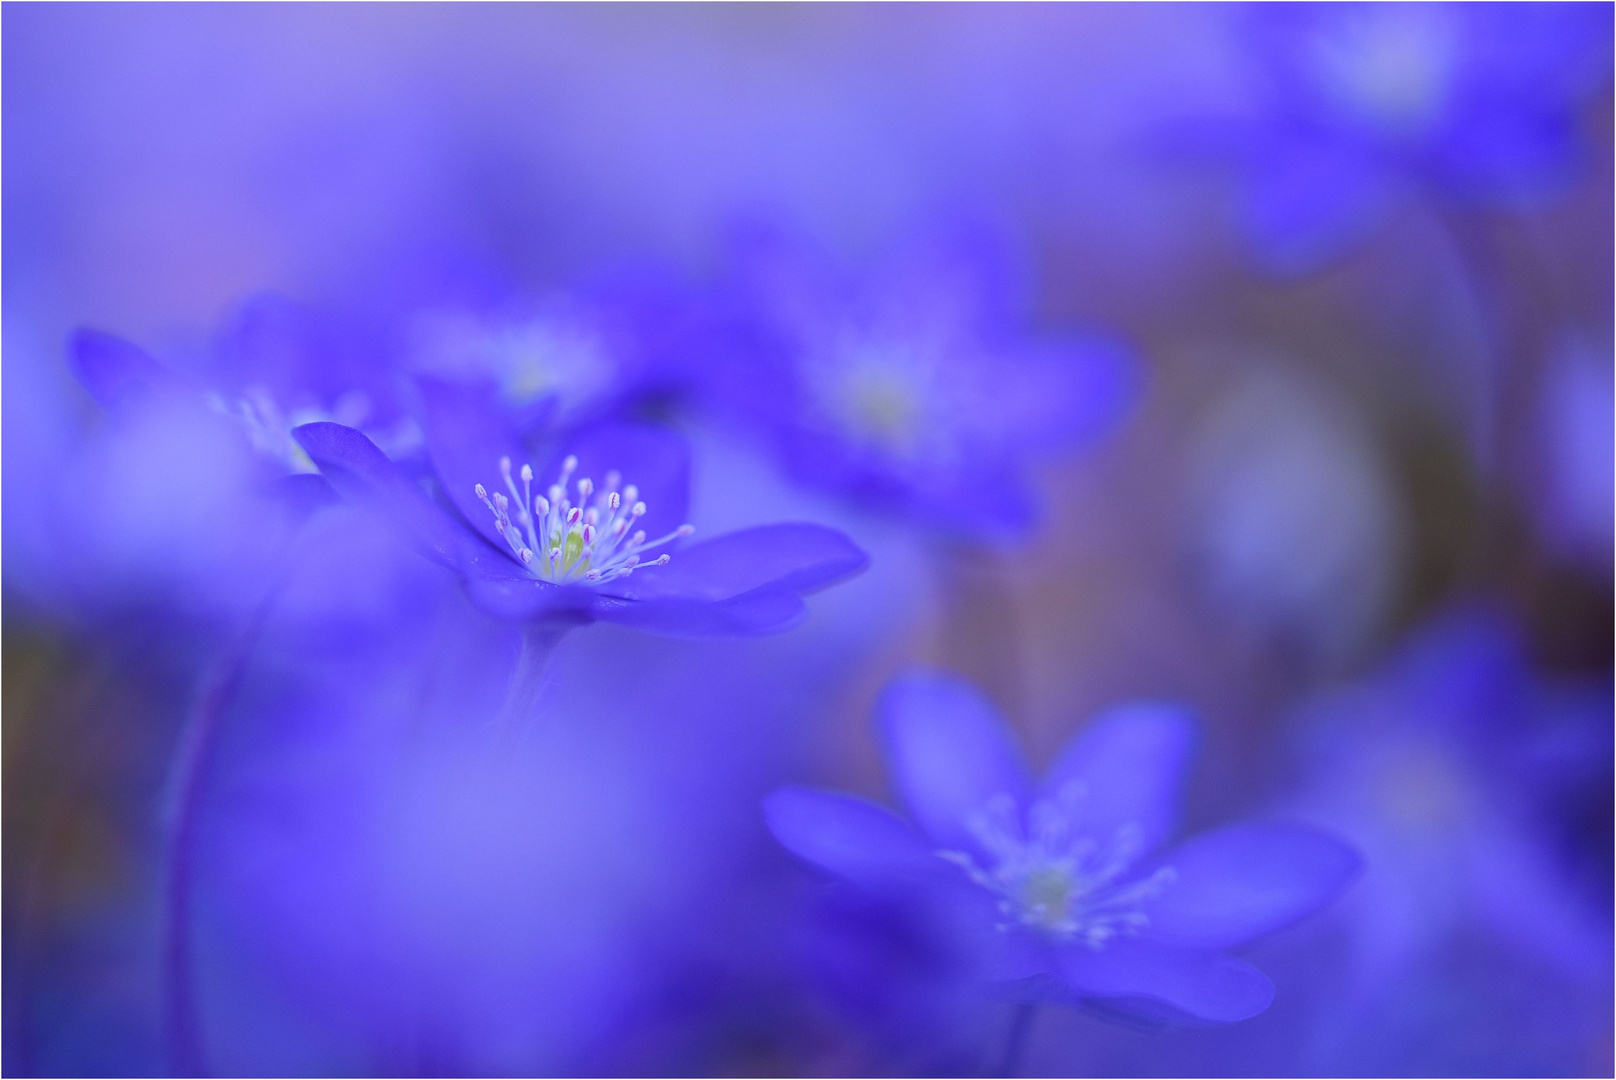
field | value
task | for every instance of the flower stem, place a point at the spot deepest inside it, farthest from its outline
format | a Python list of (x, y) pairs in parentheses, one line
[(192, 755), (1015, 1042), (532, 672)]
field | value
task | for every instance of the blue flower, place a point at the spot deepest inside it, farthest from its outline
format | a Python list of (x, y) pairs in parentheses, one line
[(1358, 105), (912, 387), (1467, 778), (555, 545), (274, 365), (1061, 883), (186, 515), (572, 356)]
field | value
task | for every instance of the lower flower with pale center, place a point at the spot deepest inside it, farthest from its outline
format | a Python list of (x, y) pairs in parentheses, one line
[(1056, 880)]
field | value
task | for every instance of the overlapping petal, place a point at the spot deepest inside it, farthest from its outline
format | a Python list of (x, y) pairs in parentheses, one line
[(1235, 884), (1128, 763), (113, 369), (654, 460), (358, 470), (466, 435), (795, 557), (1158, 982), (949, 753), (851, 837)]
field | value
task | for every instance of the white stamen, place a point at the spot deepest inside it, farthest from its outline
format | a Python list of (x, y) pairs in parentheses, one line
[(1068, 886), (582, 543)]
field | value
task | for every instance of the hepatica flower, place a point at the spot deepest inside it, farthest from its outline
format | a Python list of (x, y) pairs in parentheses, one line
[(1062, 885), (273, 366), (1358, 105), (912, 387), (594, 532), (567, 356)]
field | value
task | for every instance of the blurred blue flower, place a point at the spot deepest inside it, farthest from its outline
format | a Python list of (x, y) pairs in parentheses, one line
[(1357, 104), (570, 552), (912, 386), (1294, 535), (1451, 767), (1574, 441), (583, 353), (1060, 884)]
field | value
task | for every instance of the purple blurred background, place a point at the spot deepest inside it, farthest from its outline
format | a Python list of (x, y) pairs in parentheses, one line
[(1265, 366)]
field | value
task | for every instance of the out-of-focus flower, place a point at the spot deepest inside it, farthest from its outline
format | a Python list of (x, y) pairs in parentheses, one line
[(1571, 491), (572, 356), (1479, 794), (570, 552), (1294, 534), (1441, 767), (1061, 883), (1357, 104), (188, 511), (911, 387)]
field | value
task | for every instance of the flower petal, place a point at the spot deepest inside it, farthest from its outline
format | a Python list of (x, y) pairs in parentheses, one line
[(653, 459), (789, 557), (949, 753), (1238, 883), (761, 611), (1309, 199), (851, 837), (113, 369), (466, 435), (501, 587), (358, 470), (1157, 982), (1129, 762), (301, 493)]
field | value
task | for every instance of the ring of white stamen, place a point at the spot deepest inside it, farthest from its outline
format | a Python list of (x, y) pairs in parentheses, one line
[(566, 543), (1052, 880)]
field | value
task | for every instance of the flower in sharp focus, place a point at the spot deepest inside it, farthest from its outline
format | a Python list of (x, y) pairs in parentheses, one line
[(912, 387), (555, 544), (1063, 884)]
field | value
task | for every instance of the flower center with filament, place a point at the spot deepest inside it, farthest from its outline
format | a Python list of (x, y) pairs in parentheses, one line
[(589, 542), (1049, 878)]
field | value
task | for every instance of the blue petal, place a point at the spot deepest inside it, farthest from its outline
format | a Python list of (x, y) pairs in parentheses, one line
[(1310, 200), (949, 753), (652, 459), (1060, 392), (1157, 982), (302, 493), (851, 837), (761, 611), (358, 470), (466, 435), (113, 369), (788, 557), (1129, 763), (498, 586), (1235, 884)]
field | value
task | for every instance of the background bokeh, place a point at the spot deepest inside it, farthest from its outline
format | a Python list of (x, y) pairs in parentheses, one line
[(1356, 512)]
